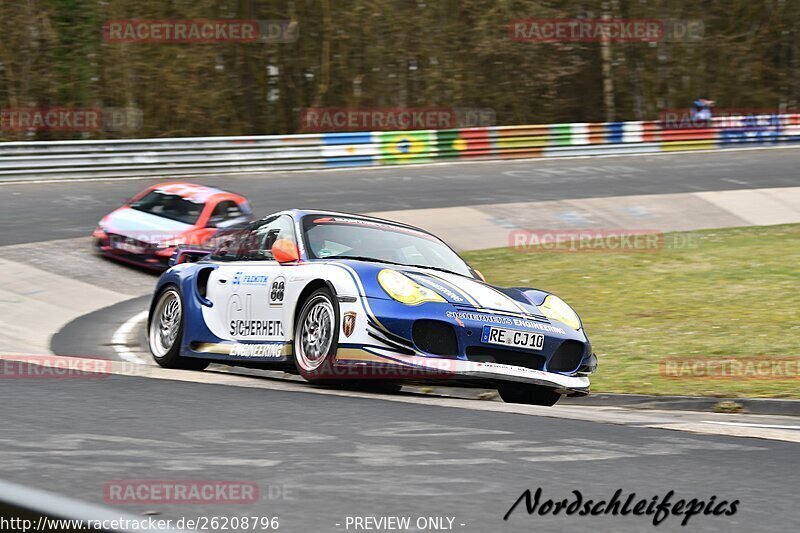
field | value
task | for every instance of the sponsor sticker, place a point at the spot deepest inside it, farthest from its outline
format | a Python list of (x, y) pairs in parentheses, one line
[(240, 278), (511, 368), (272, 351), (276, 291), (432, 284), (504, 320), (256, 328), (373, 224)]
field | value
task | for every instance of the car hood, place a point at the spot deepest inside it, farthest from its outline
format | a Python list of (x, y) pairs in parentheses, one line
[(460, 291), (143, 226), (465, 292)]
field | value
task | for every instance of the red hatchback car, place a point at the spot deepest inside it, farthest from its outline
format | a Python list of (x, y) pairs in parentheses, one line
[(146, 230)]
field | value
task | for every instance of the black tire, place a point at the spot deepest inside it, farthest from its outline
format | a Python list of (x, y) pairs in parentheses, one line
[(528, 394), (166, 352), (315, 360)]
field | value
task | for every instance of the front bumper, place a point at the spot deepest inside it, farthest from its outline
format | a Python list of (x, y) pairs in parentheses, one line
[(395, 344), (443, 369), (565, 352), (150, 256)]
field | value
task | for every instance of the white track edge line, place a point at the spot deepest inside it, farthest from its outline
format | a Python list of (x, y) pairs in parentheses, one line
[(749, 425), (120, 339)]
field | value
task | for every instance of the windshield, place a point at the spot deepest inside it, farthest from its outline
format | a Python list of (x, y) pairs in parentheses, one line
[(340, 237), (169, 206)]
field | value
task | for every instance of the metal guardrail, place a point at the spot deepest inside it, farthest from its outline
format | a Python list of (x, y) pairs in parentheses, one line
[(213, 155)]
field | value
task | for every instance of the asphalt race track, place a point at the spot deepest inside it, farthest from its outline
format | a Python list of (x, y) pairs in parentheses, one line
[(43, 212), (325, 458), (320, 456)]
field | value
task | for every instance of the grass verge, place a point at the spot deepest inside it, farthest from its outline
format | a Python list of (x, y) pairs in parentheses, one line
[(731, 293)]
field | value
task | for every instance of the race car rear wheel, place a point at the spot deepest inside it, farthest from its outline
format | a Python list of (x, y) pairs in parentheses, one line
[(316, 335), (165, 332), (528, 394)]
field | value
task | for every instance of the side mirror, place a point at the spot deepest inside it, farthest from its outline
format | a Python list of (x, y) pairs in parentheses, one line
[(285, 251)]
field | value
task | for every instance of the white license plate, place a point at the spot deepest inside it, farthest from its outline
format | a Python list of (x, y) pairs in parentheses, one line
[(512, 337), (128, 247)]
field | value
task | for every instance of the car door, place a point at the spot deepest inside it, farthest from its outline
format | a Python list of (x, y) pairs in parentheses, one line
[(247, 288)]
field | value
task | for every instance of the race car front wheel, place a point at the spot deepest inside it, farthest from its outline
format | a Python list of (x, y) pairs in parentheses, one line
[(316, 335), (528, 394), (165, 332)]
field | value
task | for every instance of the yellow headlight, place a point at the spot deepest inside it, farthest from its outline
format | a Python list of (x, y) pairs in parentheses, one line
[(405, 290), (555, 308)]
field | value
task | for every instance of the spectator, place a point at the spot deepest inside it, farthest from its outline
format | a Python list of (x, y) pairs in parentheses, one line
[(701, 110)]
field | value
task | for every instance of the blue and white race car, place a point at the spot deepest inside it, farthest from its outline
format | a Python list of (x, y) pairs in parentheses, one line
[(335, 297)]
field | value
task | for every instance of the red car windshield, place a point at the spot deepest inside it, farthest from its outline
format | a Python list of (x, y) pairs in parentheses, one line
[(169, 206), (340, 237)]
